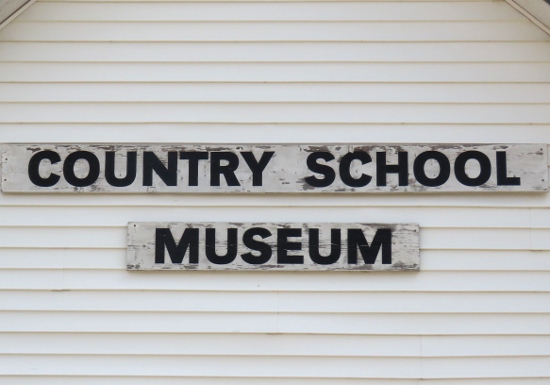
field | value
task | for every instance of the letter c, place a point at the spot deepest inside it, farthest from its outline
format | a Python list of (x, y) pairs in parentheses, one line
[(34, 165)]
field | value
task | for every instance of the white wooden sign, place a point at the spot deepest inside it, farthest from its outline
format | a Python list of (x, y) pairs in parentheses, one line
[(281, 168), (273, 246)]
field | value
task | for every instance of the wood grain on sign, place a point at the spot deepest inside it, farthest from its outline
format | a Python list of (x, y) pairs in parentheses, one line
[(273, 168), (273, 246)]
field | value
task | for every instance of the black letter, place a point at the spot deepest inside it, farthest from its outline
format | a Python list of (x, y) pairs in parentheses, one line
[(401, 168), (283, 245), (420, 173), (228, 171), (34, 165), (345, 164), (502, 172), (189, 239), (210, 247), (169, 175), (68, 169), (131, 165), (484, 164), (256, 167), (335, 247), (327, 171), (382, 238), (251, 243), (193, 158)]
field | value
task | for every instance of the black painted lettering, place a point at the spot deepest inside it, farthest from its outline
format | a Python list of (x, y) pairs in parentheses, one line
[(262, 247), (257, 167), (34, 166), (227, 170), (93, 172), (165, 240), (420, 172), (345, 165), (401, 168), (210, 247), (382, 240), (284, 246), (131, 169), (484, 165), (193, 157), (335, 247), (168, 174), (502, 172), (328, 173)]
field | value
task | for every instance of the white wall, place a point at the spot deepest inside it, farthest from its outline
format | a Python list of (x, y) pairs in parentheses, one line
[(259, 72)]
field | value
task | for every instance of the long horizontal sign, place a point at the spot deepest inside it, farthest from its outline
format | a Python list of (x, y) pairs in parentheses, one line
[(130, 168), (275, 246)]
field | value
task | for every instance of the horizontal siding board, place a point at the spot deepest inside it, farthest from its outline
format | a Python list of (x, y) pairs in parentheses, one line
[(432, 260), (470, 346), (310, 73), (282, 302), (508, 367), (202, 366), (277, 52), (211, 344), (441, 217), (272, 31), (276, 92), (176, 380), (301, 323), (273, 345), (115, 237), (270, 11), (450, 281), (245, 113)]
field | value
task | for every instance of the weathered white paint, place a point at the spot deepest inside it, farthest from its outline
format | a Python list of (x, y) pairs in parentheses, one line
[(398, 247), (267, 168), (477, 312)]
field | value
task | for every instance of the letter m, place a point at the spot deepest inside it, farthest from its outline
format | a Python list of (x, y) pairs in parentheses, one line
[(357, 240), (164, 240)]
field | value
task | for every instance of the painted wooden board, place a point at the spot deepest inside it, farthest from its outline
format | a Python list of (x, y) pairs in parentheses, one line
[(274, 168), (273, 246)]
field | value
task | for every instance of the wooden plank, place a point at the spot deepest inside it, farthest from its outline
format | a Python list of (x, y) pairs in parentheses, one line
[(92, 379), (274, 168), (225, 366), (272, 31), (276, 92), (269, 113), (285, 323), (275, 72), (467, 346), (270, 11), (503, 367), (276, 52), (270, 302), (317, 133), (450, 281), (94, 216), (211, 344), (273, 246)]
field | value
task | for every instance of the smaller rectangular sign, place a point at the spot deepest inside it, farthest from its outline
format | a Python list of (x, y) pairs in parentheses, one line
[(273, 246)]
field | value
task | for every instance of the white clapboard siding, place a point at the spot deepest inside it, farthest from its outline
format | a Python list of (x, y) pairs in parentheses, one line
[(427, 217), (266, 72), (287, 112), (517, 93), (138, 71), (443, 52), (520, 30)]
